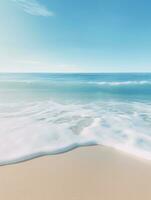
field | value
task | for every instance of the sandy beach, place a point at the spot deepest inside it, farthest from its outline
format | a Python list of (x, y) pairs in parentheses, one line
[(89, 173)]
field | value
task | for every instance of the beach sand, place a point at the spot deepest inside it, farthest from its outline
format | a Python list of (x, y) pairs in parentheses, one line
[(88, 173)]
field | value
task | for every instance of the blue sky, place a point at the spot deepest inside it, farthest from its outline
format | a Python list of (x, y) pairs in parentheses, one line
[(75, 36)]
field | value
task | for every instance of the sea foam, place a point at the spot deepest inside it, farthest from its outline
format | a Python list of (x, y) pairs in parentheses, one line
[(121, 83), (33, 129)]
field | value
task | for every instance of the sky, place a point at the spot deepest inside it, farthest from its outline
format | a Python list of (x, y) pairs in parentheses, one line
[(75, 36)]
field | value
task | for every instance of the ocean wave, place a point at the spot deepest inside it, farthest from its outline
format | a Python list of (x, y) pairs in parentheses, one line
[(111, 83), (121, 83), (40, 128)]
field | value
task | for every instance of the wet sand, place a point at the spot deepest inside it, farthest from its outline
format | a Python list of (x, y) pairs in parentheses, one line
[(89, 173)]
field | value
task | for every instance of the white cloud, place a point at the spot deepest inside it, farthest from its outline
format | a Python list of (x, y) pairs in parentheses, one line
[(33, 7)]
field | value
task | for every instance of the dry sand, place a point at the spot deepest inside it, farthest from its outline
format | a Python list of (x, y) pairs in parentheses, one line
[(90, 173)]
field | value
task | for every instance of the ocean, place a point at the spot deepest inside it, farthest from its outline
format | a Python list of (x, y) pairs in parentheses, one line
[(46, 114)]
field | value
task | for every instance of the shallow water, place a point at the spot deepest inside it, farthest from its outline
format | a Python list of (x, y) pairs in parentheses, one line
[(52, 113)]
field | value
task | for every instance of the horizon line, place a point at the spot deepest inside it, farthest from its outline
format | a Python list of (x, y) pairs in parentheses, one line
[(70, 72)]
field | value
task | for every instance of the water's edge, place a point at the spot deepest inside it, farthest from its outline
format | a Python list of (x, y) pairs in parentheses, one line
[(42, 154)]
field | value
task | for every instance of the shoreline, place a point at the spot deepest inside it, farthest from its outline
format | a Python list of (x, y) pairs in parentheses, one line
[(74, 147), (85, 173), (40, 155)]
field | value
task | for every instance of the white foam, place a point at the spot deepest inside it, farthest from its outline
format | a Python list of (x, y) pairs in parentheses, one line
[(30, 130), (118, 83)]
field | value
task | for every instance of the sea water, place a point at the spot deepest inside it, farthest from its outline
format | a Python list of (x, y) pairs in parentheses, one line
[(52, 113)]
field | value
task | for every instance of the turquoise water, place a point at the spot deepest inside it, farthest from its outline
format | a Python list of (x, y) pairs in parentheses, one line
[(52, 113)]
